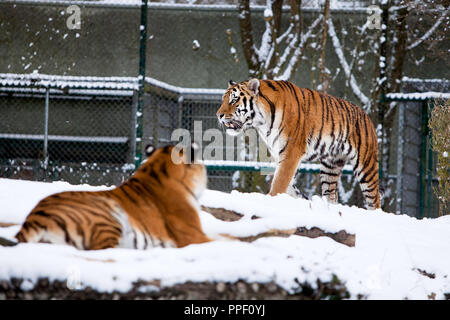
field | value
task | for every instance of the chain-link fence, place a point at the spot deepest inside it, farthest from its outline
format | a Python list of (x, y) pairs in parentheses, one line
[(66, 128), (83, 130), (415, 170), (187, 45), (168, 108)]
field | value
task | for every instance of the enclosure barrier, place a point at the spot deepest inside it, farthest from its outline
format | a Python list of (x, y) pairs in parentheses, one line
[(416, 168), (77, 129), (83, 130)]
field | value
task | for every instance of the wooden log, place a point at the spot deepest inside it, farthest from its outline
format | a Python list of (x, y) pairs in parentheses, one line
[(6, 224), (223, 214), (341, 236)]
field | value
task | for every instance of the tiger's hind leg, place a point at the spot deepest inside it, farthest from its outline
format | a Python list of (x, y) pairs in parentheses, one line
[(330, 172), (367, 176), (371, 190)]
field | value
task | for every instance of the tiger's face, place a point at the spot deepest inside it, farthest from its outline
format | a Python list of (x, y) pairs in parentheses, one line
[(237, 111), (172, 165)]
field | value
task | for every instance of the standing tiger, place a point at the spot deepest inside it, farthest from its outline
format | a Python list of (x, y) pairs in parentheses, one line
[(302, 124), (156, 207)]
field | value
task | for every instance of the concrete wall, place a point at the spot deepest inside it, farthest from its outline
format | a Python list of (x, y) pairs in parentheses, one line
[(35, 37)]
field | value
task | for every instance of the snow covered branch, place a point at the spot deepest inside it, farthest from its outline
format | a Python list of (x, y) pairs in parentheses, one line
[(345, 66), (430, 31), (247, 37), (266, 61), (290, 60)]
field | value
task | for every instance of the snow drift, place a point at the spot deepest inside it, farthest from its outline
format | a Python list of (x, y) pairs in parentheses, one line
[(395, 256)]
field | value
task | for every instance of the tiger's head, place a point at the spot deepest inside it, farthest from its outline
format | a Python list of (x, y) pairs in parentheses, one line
[(237, 111), (175, 167)]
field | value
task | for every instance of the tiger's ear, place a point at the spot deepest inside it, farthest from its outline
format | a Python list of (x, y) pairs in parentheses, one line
[(231, 83), (253, 86), (149, 149)]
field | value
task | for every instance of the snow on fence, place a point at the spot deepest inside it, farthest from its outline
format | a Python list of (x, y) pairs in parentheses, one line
[(222, 6), (66, 128)]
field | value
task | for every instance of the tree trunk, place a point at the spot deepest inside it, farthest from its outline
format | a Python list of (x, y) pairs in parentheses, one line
[(393, 73), (323, 74), (248, 45)]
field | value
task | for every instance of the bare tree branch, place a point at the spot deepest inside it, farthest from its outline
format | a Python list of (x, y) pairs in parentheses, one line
[(427, 34), (290, 59), (323, 74), (340, 53), (269, 45)]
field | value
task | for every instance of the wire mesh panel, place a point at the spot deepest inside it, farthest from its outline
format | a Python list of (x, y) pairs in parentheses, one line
[(411, 167), (416, 161), (22, 128), (429, 178), (168, 108), (76, 135), (84, 131), (222, 180), (160, 112)]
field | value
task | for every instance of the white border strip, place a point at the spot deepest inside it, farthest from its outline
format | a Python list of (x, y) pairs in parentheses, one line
[(179, 6)]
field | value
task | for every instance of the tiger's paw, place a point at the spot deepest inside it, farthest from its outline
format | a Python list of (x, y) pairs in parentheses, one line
[(295, 193)]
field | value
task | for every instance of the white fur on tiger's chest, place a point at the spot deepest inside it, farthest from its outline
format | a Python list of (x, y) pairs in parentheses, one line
[(274, 148), (270, 134), (133, 238)]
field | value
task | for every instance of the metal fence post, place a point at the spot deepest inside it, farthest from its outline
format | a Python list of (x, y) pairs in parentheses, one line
[(423, 159), (45, 151), (400, 156), (429, 160), (180, 110), (155, 121), (142, 56), (133, 127)]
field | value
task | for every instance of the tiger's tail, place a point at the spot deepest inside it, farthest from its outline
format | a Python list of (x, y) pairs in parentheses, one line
[(22, 236), (25, 235), (7, 243), (270, 233)]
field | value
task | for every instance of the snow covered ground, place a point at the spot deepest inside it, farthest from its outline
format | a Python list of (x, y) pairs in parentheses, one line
[(395, 256)]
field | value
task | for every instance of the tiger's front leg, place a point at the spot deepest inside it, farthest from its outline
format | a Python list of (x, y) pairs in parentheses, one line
[(284, 174)]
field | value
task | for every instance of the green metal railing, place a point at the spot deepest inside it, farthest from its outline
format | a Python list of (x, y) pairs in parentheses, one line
[(263, 166)]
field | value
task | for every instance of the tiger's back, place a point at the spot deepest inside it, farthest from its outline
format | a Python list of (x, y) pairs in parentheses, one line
[(156, 207), (84, 220)]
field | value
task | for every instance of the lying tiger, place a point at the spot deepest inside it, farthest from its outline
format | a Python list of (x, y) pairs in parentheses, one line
[(156, 207), (300, 124)]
